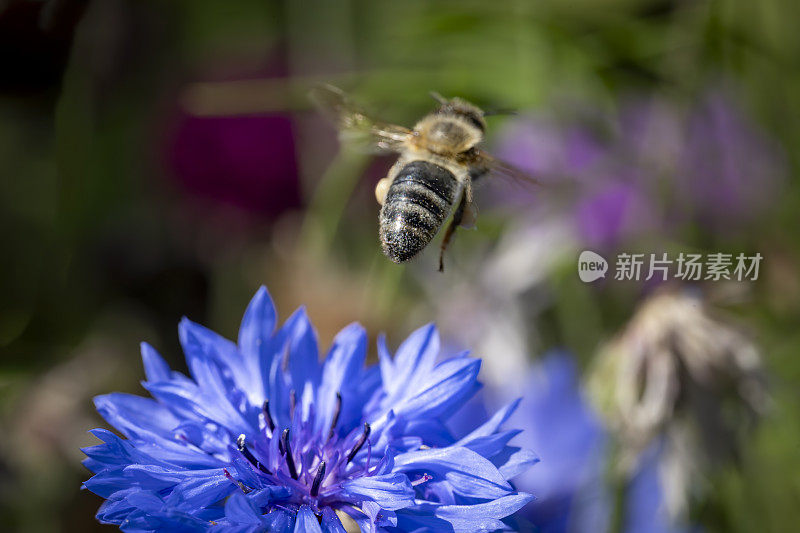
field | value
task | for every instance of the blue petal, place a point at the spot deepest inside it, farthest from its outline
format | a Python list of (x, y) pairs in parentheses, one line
[(200, 491), (331, 522), (115, 451), (304, 365), (182, 454), (499, 508), (378, 515), (154, 477), (182, 398), (279, 386), (208, 354), (513, 461), (342, 367), (385, 363), (431, 430), (444, 389), (239, 528), (493, 424), (108, 482), (256, 345), (206, 437), (470, 474), (297, 345), (491, 445), (419, 350), (136, 417), (201, 343), (118, 506), (204, 351), (483, 517), (306, 521), (390, 491), (167, 520), (279, 522), (258, 323), (155, 368), (367, 393), (188, 490), (364, 522), (268, 495), (239, 510), (416, 355)]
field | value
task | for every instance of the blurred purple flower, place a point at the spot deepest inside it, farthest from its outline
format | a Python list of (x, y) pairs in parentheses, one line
[(729, 169), (550, 150), (610, 202), (616, 212), (652, 167)]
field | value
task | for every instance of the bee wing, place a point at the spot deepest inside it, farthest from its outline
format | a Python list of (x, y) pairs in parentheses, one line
[(355, 124), (485, 163)]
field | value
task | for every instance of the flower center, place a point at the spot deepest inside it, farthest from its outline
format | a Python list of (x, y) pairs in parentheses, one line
[(324, 457)]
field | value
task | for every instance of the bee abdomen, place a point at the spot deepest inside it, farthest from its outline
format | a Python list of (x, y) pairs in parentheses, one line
[(416, 205)]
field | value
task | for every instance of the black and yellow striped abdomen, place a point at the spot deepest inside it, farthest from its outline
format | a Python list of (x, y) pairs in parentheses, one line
[(417, 204)]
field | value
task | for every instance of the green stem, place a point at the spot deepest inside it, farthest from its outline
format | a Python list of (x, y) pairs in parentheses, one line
[(330, 199)]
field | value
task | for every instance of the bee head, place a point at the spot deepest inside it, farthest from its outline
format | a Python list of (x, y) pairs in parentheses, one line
[(456, 106)]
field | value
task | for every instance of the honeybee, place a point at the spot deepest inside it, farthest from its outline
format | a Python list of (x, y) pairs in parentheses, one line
[(439, 161)]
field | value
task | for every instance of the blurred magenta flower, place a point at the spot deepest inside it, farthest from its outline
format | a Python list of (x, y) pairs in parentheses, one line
[(245, 161), (265, 437), (222, 147)]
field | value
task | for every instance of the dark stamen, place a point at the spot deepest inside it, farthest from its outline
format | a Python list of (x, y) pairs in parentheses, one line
[(268, 416), (318, 479), (360, 442), (242, 445), (292, 402), (288, 451), (244, 488), (336, 414)]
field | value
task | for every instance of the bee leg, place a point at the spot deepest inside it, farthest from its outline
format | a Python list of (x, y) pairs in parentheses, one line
[(381, 189), (451, 229), (469, 216)]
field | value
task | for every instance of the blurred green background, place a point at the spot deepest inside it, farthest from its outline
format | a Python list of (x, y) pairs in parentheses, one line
[(160, 159)]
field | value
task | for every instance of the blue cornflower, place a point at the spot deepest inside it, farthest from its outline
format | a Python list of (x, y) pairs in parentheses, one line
[(265, 437), (573, 493)]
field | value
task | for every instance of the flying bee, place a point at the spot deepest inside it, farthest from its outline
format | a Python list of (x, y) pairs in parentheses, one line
[(439, 161)]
